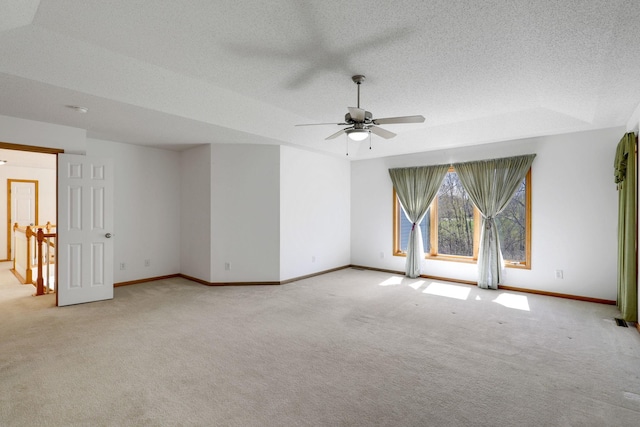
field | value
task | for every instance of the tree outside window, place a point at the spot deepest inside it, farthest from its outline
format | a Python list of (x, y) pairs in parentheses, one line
[(449, 229)]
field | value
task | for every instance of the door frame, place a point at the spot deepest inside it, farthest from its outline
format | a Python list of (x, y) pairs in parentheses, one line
[(44, 150), (9, 206)]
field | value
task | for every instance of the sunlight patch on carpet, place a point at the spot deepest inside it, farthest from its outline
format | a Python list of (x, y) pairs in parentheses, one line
[(446, 290), (518, 302), (392, 281), (417, 285)]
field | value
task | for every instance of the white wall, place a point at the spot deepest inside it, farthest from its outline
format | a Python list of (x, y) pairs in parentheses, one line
[(195, 223), (574, 212), (314, 212), (40, 134), (146, 209), (47, 196), (634, 121), (245, 199)]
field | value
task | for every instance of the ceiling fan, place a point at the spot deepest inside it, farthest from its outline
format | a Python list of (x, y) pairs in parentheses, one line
[(361, 123)]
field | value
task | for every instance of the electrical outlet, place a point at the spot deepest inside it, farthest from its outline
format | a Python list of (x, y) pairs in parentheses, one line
[(147, 263), (123, 266), (381, 255), (313, 258), (227, 266), (559, 274)]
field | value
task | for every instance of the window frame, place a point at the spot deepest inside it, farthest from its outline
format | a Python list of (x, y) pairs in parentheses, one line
[(433, 237)]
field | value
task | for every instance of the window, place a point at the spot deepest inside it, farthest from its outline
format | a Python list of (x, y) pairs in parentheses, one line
[(450, 231)]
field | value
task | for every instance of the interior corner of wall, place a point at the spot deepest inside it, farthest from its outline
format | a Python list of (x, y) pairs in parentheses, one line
[(633, 124)]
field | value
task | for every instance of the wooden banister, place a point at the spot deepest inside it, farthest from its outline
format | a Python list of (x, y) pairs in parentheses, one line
[(48, 238), (39, 279), (34, 228), (40, 237), (28, 232)]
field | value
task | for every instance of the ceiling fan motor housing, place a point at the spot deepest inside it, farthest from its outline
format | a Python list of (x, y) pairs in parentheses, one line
[(367, 118)]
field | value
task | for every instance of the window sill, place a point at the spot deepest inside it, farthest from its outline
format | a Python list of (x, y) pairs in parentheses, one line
[(518, 265), (465, 260)]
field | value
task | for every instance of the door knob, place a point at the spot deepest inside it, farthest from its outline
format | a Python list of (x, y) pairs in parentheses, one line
[(108, 235)]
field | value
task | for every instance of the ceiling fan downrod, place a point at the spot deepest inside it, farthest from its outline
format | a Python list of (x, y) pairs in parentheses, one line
[(358, 79)]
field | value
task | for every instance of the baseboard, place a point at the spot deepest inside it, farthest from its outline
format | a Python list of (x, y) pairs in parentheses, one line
[(204, 282), (423, 276), (444, 279), (320, 273), (194, 279), (308, 276), (558, 295), (382, 270), (506, 288), (282, 282), (243, 283), (148, 279)]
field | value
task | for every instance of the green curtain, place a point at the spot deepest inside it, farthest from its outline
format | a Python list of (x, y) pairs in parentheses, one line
[(416, 188), (491, 184), (625, 177)]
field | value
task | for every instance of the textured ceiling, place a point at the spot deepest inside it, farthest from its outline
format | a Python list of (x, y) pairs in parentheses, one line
[(175, 74)]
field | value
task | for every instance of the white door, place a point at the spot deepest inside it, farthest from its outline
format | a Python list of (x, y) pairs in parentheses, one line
[(85, 224), (23, 206)]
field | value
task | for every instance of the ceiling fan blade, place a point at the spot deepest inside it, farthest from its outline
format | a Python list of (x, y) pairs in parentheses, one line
[(404, 119), (382, 132), (317, 124), (335, 135), (357, 114)]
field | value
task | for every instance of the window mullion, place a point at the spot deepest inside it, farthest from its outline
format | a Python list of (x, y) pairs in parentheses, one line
[(433, 235), (477, 222), (527, 196), (396, 224)]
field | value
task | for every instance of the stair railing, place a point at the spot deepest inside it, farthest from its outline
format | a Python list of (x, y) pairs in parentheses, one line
[(42, 281), (29, 253)]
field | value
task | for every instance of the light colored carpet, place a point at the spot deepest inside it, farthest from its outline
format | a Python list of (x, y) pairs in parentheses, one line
[(349, 348)]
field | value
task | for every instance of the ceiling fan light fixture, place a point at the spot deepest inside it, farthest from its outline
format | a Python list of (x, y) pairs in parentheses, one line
[(358, 134)]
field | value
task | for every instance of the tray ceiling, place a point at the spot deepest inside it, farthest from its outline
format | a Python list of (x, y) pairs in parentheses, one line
[(181, 73)]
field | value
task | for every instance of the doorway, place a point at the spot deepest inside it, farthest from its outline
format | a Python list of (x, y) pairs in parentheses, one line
[(30, 192), (86, 206), (22, 207)]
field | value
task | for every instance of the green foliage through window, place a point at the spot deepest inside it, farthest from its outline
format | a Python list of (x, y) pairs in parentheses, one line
[(512, 226), (451, 220), (455, 218)]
